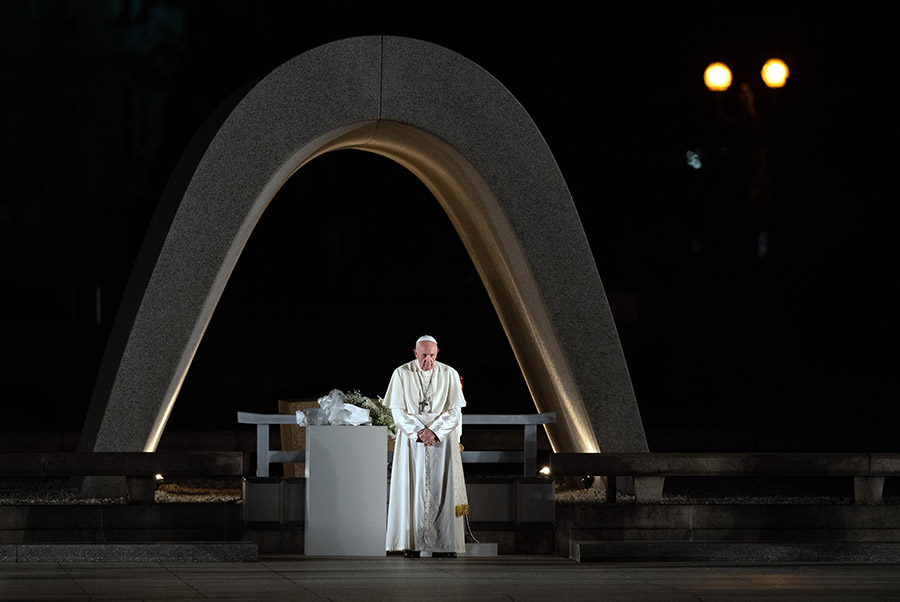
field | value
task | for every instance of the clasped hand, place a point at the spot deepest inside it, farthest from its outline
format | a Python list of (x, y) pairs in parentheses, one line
[(427, 437)]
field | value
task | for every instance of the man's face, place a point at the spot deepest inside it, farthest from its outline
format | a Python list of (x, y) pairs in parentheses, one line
[(426, 352)]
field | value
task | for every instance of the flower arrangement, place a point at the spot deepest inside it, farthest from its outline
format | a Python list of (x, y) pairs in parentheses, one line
[(381, 415)]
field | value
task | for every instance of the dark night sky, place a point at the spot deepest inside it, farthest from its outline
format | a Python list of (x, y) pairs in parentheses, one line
[(100, 98)]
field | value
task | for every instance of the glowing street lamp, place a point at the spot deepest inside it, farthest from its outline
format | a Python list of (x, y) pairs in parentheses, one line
[(717, 77), (775, 73)]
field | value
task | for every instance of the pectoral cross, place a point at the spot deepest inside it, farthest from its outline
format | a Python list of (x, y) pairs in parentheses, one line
[(425, 404)]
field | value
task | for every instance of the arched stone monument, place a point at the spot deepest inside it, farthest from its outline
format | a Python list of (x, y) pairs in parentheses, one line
[(459, 131)]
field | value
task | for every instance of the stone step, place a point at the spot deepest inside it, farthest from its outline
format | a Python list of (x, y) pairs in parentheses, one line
[(195, 551), (736, 522), (115, 523), (721, 551), (481, 549)]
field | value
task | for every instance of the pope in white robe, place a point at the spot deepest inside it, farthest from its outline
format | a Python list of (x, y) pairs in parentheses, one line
[(428, 491)]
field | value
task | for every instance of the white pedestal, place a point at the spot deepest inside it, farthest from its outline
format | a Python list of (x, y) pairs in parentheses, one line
[(346, 492)]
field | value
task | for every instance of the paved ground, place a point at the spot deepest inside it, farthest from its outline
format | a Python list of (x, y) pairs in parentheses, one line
[(475, 579)]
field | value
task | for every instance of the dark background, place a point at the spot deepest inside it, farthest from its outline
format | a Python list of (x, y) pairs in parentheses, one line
[(753, 295)]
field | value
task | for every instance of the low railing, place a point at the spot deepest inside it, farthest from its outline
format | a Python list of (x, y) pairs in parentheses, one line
[(528, 456), (649, 470)]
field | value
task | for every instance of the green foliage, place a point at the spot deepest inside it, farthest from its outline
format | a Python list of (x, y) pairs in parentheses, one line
[(381, 415)]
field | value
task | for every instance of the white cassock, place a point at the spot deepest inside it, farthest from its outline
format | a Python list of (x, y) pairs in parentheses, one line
[(428, 491)]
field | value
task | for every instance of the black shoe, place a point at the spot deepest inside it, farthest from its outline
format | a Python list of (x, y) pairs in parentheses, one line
[(411, 554), (443, 554)]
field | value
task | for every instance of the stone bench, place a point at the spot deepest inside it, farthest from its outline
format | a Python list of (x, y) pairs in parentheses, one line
[(118, 464), (649, 470), (138, 468)]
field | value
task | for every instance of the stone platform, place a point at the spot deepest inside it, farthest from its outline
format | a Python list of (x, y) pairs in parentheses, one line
[(201, 551), (504, 578)]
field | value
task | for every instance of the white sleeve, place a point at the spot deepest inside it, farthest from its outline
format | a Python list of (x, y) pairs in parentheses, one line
[(446, 423), (407, 423)]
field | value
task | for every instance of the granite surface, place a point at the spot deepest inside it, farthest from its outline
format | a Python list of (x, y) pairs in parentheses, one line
[(237, 551), (490, 579), (743, 552)]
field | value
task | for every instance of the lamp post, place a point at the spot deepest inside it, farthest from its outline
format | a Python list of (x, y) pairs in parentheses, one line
[(746, 134)]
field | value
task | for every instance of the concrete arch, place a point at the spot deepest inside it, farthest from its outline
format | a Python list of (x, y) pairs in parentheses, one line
[(459, 131)]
